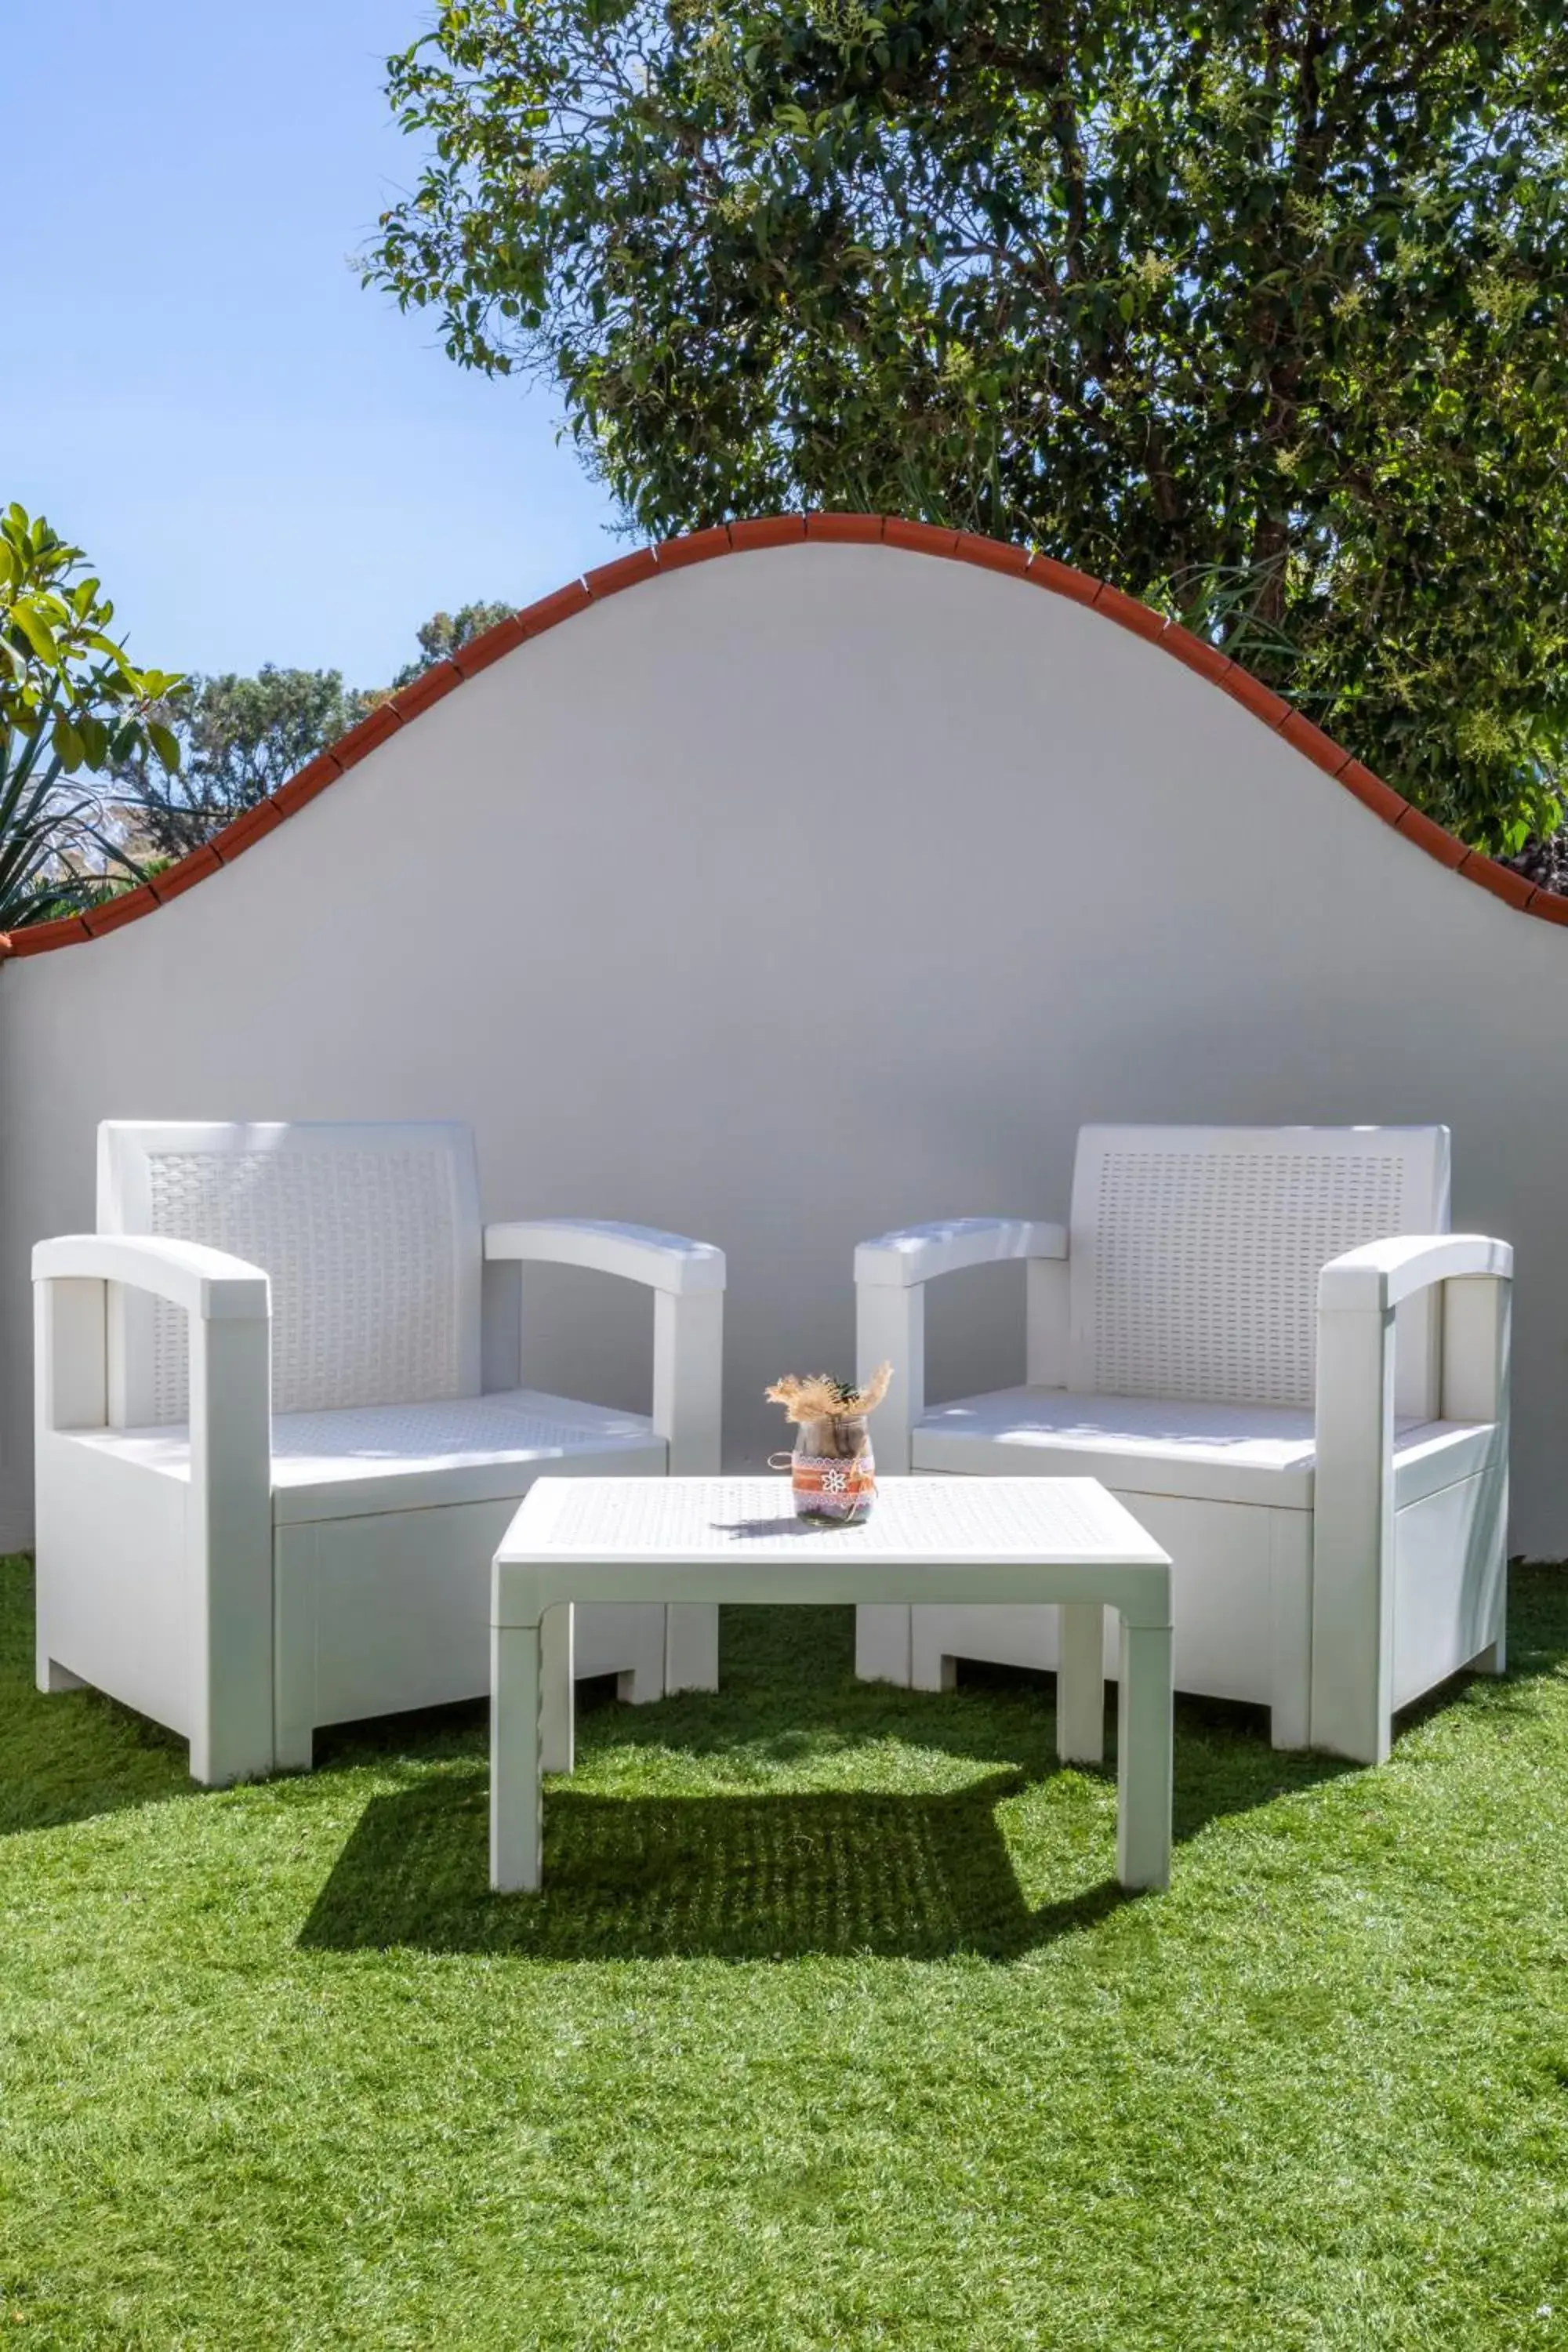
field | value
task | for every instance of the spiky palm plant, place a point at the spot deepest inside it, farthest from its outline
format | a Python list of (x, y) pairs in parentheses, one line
[(73, 707)]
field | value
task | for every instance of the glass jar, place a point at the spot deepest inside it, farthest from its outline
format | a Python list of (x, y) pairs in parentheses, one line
[(833, 1473)]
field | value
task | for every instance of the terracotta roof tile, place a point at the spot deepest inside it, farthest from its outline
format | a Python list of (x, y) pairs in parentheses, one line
[(606, 579), (38, 939), (1195, 652), (480, 651), (1254, 695), (1419, 828), (1502, 880), (1062, 580), (697, 547), (1372, 793), (360, 741), (245, 831), (770, 531), (420, 692), (124, 908), (918, 538), (1313, 744), (991, 554), (194, 867), (1130, 613), (851, 529), (314, 778), (548, 612)]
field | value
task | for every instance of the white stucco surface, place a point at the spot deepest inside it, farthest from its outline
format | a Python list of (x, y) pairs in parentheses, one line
[(798, 895)]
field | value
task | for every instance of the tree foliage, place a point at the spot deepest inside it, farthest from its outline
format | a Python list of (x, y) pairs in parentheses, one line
[(72, 707), (243, 737), (440, 636), (1259, 307)]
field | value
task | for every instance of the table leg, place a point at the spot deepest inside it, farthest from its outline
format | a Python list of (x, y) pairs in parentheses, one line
[(558, 1694), (516, 1810), (1080, 1683), (1144, 1758)]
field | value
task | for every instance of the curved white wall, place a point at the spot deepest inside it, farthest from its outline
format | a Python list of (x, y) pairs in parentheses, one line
[(798, 895)]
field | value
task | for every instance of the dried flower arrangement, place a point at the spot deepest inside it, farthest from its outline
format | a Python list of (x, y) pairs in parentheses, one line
[(832, 1470), (819, 1397)]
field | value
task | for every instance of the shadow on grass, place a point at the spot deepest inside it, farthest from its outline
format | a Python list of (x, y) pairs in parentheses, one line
[(730, 1877)]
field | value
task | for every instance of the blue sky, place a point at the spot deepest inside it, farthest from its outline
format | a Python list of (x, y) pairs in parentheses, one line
[(264, 462)]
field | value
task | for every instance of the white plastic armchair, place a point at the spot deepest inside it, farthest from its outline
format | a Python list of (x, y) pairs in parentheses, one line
[(1268, 1345), (269, 1480)]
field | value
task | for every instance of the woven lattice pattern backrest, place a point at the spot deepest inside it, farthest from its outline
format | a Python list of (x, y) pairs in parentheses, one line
[(364, 1243), (1196, 1256)]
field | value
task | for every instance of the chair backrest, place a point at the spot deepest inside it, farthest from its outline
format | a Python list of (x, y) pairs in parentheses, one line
[(370, 1234), (1197, 1251)]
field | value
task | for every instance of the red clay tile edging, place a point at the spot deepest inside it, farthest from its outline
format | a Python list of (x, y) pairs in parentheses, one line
[(1128, 612), (124, 908), (787, 531), (246, 830), (1501, 880), (854, 529), (1061, 579), (697, 547), (420, 692), (1373, 793), (548, 612), (606, 579), (1418, 827), (919, 538), (195, 867)]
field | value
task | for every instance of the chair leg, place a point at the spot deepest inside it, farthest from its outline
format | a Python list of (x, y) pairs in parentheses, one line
[(691, 1646), (882, 1643), (1080, 1684), (1290, 1721), (52, 1677), (1493, 1659), (931, 1667)]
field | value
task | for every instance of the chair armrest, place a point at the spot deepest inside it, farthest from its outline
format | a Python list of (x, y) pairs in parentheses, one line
[(891, 1276), (667, 1262), (1382, 1275), (1353, 1503), (206, 1282), (688, 1282), (227, 1584), (920, 1253)]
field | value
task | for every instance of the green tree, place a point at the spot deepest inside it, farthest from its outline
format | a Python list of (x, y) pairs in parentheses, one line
[(242, 737), (443, 633), (72, 707), (1259, 307)]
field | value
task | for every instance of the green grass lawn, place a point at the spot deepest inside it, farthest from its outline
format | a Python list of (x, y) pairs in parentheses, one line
[(830, 2031)]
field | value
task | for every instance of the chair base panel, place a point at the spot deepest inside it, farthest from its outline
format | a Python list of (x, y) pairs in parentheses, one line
[(1241, 1603), (111, 1581)]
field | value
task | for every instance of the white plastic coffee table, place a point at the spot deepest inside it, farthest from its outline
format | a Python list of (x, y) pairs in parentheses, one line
[(974, 1539)]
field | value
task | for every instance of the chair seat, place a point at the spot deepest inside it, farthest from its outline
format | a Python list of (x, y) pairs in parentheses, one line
[(1154, 1445), (366, 1458)]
